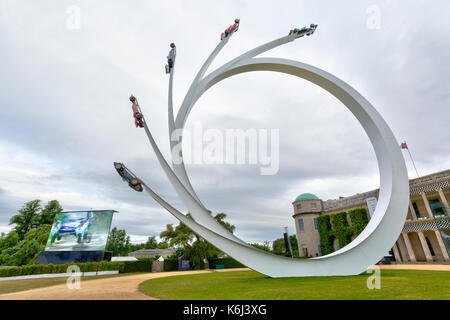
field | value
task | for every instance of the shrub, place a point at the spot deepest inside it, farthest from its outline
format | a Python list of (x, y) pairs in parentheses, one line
[(137, 266), (170, 264), (226, 262)]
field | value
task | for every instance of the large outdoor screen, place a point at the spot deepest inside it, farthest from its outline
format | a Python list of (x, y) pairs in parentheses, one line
[(80, 231)]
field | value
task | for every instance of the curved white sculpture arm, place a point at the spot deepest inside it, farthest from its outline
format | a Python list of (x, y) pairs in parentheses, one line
[(389, 216)]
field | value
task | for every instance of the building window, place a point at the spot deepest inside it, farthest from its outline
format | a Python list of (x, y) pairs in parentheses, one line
[(416, 210), (299, 206), (301, 225), (316, 223), (430, 246), (436, 207), (313, 205)]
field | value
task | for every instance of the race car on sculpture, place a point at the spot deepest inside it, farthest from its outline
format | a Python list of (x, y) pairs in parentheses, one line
[(233, 28), (171, 58), (137, 114), (128, 176), (304, 31)]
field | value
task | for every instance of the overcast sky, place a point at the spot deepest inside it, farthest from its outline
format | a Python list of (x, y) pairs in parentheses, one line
[(65, 114)]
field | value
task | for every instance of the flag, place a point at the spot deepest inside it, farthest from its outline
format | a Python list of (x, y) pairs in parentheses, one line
[(403, 145)]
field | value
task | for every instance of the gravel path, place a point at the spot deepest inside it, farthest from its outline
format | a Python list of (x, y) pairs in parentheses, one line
[(116, 288)]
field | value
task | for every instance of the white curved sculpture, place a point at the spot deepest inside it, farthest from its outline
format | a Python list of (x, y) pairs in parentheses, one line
[(383, 228)]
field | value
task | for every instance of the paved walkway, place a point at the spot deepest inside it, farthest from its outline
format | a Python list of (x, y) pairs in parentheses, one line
[(429, 267), (115, 288)]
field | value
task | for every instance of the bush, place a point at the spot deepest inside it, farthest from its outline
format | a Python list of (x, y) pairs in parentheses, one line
[(226, 262), (137, 266), (121, 266), (170, 264)]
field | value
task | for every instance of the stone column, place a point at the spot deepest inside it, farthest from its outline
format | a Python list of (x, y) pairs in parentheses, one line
[(427, 205), (425, 248), (411, 209), (442, 245), (397, 256), (444, 202), (412, 256)]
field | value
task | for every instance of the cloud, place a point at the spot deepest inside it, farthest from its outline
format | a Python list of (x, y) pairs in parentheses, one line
[(65, 115)]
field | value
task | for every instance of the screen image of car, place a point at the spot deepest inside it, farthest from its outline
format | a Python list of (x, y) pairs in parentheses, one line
[(79, 231)]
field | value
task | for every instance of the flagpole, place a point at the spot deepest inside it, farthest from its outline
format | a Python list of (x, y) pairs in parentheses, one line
[(412, 160)]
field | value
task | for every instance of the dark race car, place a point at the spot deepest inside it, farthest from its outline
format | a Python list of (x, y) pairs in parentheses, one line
[(128, 176), (171, 58), (233, 28), (304, 31), (137, 114)]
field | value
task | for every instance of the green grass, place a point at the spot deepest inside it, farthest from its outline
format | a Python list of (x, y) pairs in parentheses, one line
[(22, 285), (242, 285)]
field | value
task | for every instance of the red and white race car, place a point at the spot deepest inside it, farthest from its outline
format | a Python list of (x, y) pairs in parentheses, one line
[(233, 28), (137, 114)]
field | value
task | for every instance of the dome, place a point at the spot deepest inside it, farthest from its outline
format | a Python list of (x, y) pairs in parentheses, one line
[(306, 196)]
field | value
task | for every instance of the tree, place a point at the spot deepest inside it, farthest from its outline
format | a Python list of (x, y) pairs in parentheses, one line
[(279, 248), (118, 242), (27, 218), (48, 212), (265, 246), (151, 243), (27, 250), (189, 243), (32, 215), (9, 240)]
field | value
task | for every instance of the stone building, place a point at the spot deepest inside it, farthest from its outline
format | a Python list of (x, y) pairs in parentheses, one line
[(425, 236), (152, 253)]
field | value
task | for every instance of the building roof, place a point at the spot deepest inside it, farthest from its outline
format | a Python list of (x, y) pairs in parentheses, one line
[(306, 196)]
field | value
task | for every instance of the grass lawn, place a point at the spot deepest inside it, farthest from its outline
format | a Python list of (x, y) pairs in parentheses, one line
[(22, 285), (395, 284)]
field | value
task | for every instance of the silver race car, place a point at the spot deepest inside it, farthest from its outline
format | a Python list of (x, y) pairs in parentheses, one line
[(129, 177), (171, 58), (304, 31)]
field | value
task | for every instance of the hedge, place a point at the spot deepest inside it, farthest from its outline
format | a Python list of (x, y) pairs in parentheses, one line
[(226, 262), (121, 266), (170, 264)]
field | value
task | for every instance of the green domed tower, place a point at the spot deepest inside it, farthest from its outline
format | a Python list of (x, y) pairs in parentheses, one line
[(307, 208)]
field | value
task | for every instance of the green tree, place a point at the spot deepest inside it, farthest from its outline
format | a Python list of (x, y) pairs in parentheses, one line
[(27, 250), (118, 242), (151, 243), (47, 214), (189, 243), (265, 246), (27, 218), (8, 241), (32, 215)]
